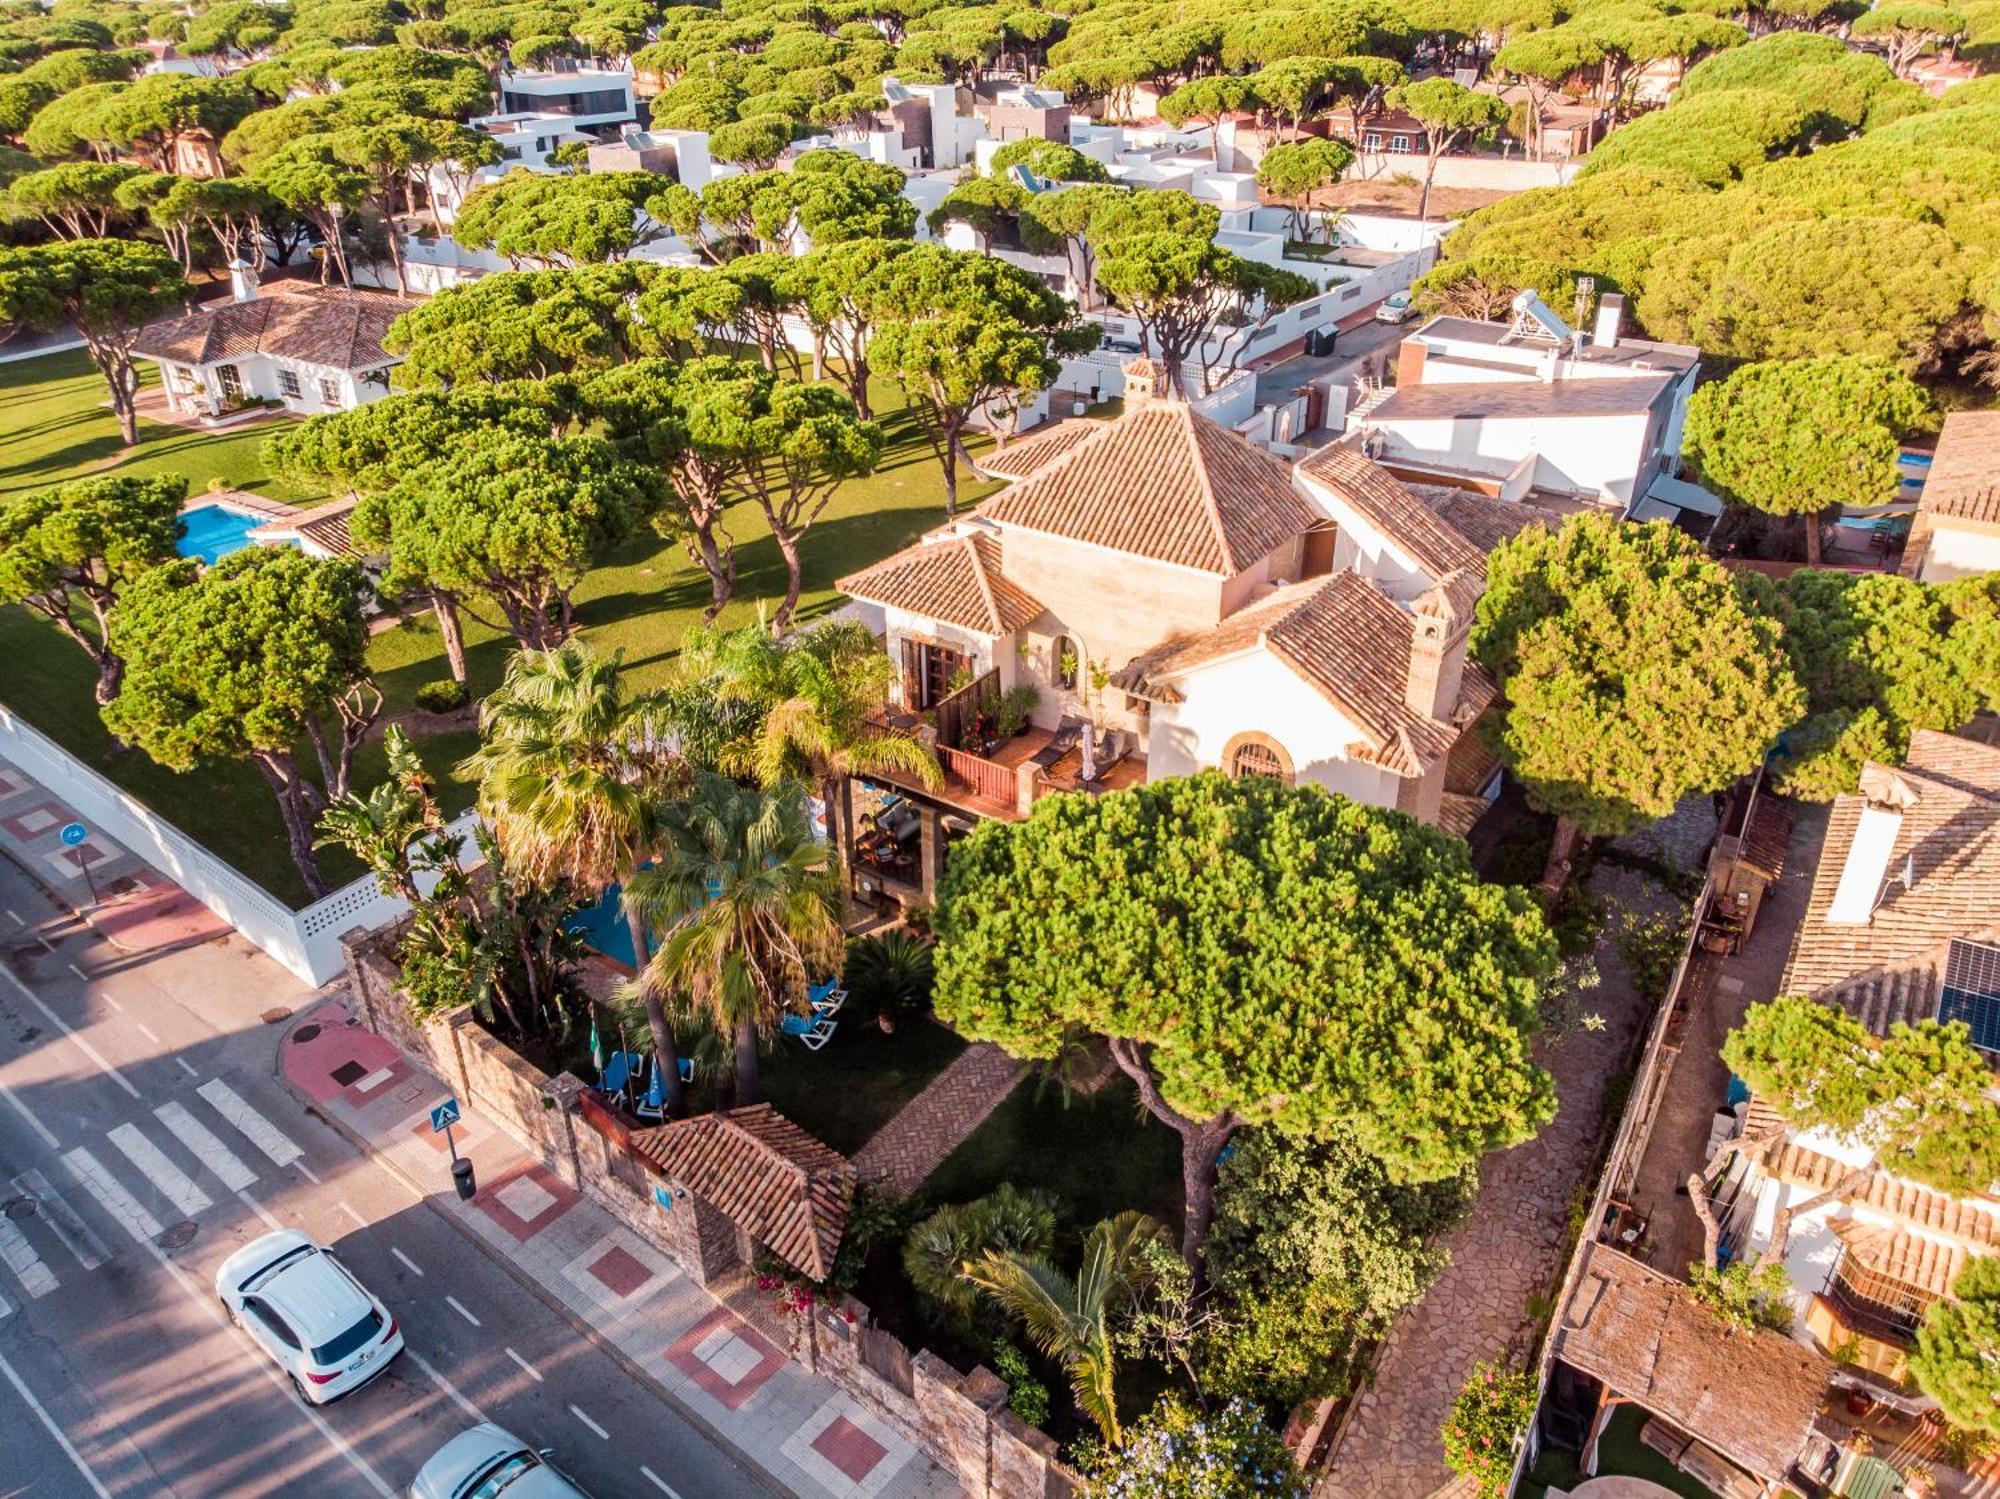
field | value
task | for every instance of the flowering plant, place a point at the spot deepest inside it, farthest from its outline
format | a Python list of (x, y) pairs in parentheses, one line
[(1487, 1418), (1179, 1452)]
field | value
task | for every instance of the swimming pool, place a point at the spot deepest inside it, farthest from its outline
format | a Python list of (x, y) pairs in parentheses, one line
[(214, 531), (604, 929)]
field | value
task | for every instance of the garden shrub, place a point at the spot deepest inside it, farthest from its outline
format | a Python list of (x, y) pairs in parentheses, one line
[(443, 697)]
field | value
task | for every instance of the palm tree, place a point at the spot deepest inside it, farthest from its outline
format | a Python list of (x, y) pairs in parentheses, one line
[(1070, 1319), (747, 904), (814, 693), (572, 774)]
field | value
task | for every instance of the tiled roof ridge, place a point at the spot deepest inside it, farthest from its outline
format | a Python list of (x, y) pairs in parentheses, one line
[(982, 582), (1201, 431)]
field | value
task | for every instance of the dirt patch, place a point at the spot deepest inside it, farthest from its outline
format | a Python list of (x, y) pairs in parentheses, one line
[(1383, 196)]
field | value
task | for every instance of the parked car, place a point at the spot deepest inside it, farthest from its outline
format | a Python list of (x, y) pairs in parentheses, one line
[(1397, 308), (308, 1312), (489, 1462)]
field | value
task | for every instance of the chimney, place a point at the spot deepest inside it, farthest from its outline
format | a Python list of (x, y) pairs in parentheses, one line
[(1439, 625), (242, 281), (1145, 380), (1410, 357), (1610, 321), (1886, 797)]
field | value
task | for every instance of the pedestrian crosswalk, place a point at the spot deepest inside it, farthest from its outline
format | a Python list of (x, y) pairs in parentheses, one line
[(135, 1173)]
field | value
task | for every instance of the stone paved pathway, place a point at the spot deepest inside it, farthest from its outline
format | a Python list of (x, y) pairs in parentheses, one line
[(1507, 1252), (900, 1154)]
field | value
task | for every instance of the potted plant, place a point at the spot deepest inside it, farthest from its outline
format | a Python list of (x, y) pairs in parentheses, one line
[(1012, 712)]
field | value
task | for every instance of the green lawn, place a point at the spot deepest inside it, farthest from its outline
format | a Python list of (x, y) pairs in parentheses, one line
[(1620, 1453), (1099, 1154), (854, 1084), (641, 599)]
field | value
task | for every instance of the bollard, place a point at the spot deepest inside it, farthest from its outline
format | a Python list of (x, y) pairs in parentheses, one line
[(461, 1177)]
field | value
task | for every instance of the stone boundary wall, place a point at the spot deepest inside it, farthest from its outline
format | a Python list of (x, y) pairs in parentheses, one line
[(960, 1420)]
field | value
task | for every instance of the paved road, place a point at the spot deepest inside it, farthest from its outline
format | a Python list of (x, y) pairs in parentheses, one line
[(144, 1137)]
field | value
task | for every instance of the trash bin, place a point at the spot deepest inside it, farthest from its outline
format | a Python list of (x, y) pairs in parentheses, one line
[(461, 1177)]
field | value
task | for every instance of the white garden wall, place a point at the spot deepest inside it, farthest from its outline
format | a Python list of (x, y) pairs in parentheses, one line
[(306, 942)]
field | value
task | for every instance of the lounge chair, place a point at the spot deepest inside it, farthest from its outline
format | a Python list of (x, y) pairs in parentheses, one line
[(814, 1030), (1068, 732), (1113, 747), (826, 996), (621, 1072)]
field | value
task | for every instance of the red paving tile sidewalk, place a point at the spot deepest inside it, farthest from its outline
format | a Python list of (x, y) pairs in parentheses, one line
[(804, 1432), (134, 906)]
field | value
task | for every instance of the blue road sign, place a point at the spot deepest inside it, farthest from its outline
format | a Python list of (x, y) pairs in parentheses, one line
[(72, 834), (444, 1115)]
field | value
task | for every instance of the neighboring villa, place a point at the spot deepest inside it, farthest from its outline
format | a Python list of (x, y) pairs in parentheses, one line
[(307, 347), (1532, 405), (1957, 529), (1903, 926), (1199, 603)]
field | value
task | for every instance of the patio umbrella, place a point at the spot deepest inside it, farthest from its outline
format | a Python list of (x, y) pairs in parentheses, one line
[(1087, 749), (596, 1045)]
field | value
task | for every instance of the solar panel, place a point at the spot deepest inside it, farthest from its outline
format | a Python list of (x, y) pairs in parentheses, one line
[(1972, 991)]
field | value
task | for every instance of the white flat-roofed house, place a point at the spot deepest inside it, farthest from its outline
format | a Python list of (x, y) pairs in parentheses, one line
[(1530, 405), (589, 98)]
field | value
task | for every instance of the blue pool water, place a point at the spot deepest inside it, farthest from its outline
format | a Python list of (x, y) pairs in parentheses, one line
[(211, 532), (604, 929)]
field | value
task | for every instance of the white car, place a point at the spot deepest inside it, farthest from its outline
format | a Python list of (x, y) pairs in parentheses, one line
[(303, 1307), (1397, 308), (489, 1462)]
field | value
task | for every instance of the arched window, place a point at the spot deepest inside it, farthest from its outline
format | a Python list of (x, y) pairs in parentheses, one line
[(1066, 657), (1257, 755)]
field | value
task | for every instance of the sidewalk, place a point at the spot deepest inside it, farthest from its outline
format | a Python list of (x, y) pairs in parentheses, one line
[(805, 1435), (134, 906)]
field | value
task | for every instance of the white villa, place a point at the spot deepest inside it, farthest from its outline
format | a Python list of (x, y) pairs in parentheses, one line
[(1183, 600), (310, 348), (1532, 405)]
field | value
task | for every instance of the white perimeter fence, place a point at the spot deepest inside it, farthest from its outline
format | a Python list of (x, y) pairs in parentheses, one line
[(307, 942)]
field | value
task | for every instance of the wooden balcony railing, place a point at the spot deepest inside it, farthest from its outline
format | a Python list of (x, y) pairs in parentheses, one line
[(984, 777), (956, 713)]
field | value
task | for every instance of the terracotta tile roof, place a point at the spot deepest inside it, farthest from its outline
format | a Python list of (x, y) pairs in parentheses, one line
[(322, 325), (1964, 1221), (1347, 640), (954, 578), (1750, 1396), (1484, 520), (1166, 483), (782, 1187), (325, 525), (1357, 480), (1039, 448), (1888, 969), (1924, 1264), (1964, 478)]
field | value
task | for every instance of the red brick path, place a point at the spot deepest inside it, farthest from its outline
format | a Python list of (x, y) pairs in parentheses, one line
[(933, 1124)]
